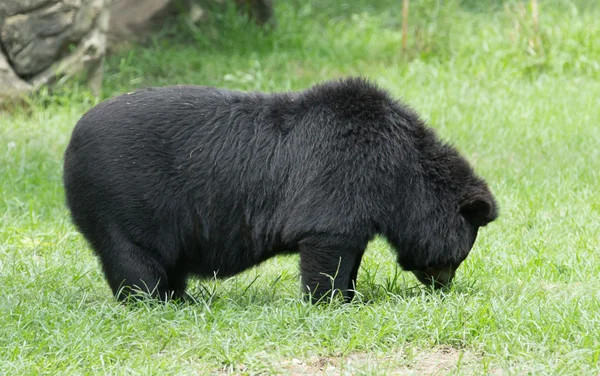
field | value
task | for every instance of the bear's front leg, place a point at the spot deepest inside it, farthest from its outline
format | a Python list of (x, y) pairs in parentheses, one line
[(329, 265)]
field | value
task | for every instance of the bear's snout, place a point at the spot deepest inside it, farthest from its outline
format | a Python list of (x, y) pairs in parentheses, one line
[(439, 277)]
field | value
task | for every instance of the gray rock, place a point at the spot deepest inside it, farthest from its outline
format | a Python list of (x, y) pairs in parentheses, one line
[(11, 86), (9, 8), (46, 40)]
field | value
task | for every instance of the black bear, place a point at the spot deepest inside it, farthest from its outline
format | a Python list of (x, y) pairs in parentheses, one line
[(167, 183)]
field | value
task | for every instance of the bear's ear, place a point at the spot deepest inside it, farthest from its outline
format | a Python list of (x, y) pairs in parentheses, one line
[(478, 210)]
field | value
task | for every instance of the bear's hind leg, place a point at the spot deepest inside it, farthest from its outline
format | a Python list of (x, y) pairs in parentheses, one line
[(130, 270)]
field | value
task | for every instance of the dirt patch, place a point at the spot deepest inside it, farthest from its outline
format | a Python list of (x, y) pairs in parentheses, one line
[(438, 361), (441, 361)]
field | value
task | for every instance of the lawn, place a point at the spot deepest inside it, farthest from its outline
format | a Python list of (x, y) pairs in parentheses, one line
[(522, 105)]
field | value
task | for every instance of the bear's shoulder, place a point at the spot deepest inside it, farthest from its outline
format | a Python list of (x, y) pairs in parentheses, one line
[(355, 98)]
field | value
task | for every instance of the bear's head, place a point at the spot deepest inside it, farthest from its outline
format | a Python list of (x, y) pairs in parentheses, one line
[(441, 263), (442, 215)]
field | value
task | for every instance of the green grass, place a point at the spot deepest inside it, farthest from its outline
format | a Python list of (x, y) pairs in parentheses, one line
[(527, 300)]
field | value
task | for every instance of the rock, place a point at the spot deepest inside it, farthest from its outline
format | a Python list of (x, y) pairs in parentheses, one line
[(133, 20), (86, 57), (46, 40), (131, 16), (10, 8), (33, 40), (11, 86)]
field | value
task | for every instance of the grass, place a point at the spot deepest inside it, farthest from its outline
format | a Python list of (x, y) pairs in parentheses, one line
[(526, 115)]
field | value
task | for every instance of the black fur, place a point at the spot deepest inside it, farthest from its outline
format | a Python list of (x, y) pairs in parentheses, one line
[(171, 182)]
